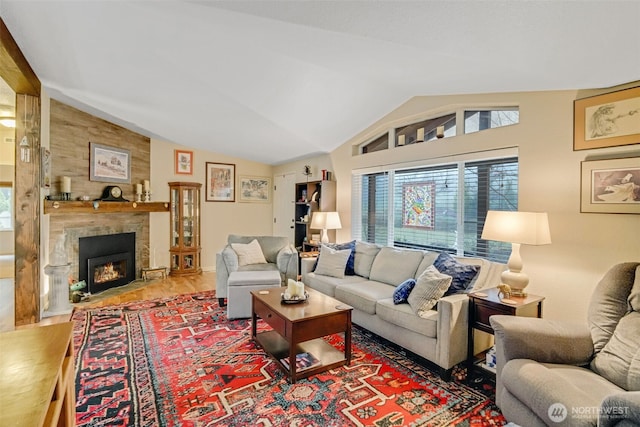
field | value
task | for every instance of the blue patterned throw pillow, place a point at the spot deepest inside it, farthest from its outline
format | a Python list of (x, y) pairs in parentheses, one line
[(401, 294), (462, 274)]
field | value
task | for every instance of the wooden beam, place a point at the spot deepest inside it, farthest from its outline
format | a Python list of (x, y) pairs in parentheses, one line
[(14, 68)]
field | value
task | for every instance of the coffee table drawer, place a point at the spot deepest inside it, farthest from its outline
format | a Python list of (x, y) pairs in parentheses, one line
[(269, 316)]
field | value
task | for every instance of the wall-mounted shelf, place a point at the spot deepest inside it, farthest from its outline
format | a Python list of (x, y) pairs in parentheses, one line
[(101, 207)]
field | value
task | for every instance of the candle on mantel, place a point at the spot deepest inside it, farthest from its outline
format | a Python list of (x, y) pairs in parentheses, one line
[(138, 188), (146, 185), (66, 184)]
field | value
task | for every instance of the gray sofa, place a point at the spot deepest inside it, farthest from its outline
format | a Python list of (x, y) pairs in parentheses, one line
[(280, 255), (575, 374), (439, 335)]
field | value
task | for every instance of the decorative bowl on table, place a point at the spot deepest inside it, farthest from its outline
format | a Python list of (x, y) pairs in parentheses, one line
[(295, 299)]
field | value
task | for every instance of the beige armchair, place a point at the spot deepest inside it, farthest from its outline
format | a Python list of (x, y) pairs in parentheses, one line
[(280, 255), (559, 374)]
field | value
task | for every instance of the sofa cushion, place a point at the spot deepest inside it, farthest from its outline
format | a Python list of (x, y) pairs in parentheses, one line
[(462, 274), (332, 262), (430, 287), (326, 284), (427, 260), (349, 268), (393, 266), (249, 253), (403, 290), (619, 359), (363, 260), (402, 315), (364, 295)]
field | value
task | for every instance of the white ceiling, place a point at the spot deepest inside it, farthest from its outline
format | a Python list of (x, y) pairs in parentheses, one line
[(274, 81)]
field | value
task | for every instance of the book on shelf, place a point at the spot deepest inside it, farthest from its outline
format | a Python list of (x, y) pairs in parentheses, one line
[(303, 361)]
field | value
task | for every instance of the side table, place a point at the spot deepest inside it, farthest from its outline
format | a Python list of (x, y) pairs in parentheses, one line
[(487, 302), (161, 271)]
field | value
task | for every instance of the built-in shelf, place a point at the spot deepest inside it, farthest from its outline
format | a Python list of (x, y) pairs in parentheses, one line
[(96, 207)]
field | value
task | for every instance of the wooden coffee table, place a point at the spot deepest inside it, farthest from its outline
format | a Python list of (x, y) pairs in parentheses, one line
[(299, 328)]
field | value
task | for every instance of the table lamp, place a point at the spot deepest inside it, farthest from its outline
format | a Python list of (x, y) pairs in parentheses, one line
[(517, 228), (325, 221)]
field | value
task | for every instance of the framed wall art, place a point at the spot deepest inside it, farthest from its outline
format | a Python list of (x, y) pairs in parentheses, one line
[(607, 120), (254, 189), (109, 164), (220, 184), (611, 186), (183, 162), (418, 205), (45, 159)]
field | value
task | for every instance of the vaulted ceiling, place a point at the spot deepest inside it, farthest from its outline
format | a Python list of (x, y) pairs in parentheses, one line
[(274, 81)]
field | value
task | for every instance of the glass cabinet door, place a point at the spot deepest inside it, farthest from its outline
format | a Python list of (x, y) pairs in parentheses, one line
[(185, 228)]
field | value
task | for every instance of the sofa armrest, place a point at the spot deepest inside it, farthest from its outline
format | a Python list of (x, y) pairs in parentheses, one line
[(453, 321), (287, 262), (226, 263), (542, 340), (306, 266), (620, 409)]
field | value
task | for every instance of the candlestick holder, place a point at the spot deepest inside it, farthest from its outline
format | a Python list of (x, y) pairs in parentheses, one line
[(147, 196), (66, 196), (138, 197)]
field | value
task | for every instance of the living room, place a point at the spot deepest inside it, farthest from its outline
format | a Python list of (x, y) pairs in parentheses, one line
[(584, 245)]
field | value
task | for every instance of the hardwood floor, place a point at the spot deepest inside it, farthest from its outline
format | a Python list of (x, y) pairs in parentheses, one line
[(141, 290)]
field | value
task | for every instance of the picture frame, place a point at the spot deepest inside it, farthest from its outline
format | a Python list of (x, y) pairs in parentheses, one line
[(418, 205), (607, 120), (109, 164), (254, 189), (183, 162), (610, 186), (220, 182)]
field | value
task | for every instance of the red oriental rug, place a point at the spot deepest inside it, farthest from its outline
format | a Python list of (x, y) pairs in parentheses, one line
[(179, 362)]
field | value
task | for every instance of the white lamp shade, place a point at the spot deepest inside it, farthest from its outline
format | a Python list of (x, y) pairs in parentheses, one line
[(527, 228), (325, 221)]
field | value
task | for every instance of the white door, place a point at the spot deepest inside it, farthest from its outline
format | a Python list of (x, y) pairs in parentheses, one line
[(284, 195)]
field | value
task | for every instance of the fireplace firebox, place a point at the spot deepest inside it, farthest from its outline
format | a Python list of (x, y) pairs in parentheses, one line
[(107, 261)]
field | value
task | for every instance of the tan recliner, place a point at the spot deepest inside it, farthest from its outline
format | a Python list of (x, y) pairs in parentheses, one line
[(559, 374)]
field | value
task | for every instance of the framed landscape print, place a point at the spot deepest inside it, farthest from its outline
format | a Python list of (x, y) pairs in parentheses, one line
[(255, 189), (611, 186), (183, 162), (220, 184), (109, 164), (607, 120)]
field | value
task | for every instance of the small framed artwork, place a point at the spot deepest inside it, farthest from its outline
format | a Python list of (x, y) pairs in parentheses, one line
[(254, 189), (109, 164), (220, 184), (611, 186), (607, 120), (183, 162), (45, 158)]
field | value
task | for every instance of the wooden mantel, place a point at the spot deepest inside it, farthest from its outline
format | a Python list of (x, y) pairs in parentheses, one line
[(101, 207)]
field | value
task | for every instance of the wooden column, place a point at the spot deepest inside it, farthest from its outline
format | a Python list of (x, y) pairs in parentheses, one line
[(27, 210)]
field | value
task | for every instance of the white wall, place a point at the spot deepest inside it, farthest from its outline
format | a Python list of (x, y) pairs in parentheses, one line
[(584, 245), (218, 219)]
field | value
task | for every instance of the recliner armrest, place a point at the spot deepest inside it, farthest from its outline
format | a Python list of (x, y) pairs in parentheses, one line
[(620, 409), (542, 340)]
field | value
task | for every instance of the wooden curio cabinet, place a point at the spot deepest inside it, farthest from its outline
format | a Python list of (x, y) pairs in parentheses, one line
[(185, 228)]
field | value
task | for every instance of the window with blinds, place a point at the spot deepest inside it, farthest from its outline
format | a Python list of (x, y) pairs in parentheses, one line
[(440, 208)]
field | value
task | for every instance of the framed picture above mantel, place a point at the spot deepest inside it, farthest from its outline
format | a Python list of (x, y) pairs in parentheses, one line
[(109, 164), (607, 120)]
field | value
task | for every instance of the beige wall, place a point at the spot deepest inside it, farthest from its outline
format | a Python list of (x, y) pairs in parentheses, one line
[(219, 219), (584, 245)]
